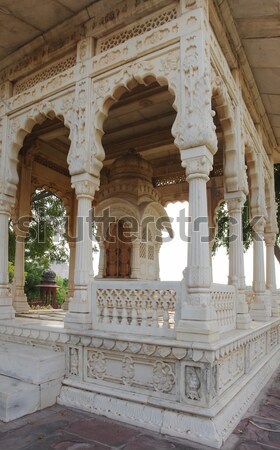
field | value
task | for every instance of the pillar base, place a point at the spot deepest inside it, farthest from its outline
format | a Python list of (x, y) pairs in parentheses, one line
[(65, 305), (261, 310), (243, 321), (243, 318), (78, 321), (197, 331), (20, 304), (6, 312), (275, 305), (6, 307)]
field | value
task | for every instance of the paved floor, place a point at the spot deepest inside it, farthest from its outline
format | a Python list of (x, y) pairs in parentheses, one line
[(59, 428)]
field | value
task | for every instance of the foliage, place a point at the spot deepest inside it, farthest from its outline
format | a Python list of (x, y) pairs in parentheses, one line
[(11, 269), (222, 235), (48, 222), (33, 278), (62, 290)]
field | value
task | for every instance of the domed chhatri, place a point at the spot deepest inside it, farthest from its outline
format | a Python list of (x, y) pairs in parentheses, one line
[(129, 165), (48, 288), (48, 275)]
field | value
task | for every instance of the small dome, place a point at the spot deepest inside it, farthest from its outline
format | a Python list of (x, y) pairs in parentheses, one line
[(131, 165), (48, 275)]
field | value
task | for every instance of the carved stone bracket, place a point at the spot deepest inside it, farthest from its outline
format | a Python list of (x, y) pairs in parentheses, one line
[(195, 126)]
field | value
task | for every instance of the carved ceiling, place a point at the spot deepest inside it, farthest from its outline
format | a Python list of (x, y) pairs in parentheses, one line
[(25, 20), (258, 26)]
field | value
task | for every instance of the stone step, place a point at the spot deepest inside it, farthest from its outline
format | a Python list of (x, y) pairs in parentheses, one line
[(17, 398), (31, 364)]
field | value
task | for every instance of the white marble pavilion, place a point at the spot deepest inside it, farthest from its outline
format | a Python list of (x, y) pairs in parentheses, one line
[(125, 107)]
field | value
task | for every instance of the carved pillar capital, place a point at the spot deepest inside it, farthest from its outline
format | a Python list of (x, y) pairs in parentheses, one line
[(197, 162), (85, 185), (258, 225), (269, 238), (235, 201), (6, 204)]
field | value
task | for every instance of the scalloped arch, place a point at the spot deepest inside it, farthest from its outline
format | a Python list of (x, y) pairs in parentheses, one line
[(225, 112), (254, 179), (108, 91), (55, 191), (21, 125)]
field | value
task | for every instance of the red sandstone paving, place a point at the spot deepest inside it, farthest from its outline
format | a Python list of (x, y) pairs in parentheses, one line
[(59, 428), (104, 431)]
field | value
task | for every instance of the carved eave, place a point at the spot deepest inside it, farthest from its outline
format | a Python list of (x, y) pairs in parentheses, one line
[(226, 33)]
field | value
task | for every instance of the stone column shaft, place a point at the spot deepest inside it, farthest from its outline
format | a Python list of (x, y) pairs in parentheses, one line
[(135, 267), (261, 310), (79, 315), (21, 227), (270, 238), (198, 316), (71, 285), (20, 300), (236, 277), (6, 308)]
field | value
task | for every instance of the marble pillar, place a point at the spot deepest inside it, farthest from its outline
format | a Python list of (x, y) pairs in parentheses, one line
[(198, 320), (235, 202), (79, 314)]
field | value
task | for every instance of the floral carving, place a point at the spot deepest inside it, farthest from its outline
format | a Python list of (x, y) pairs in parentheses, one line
[(74, 361), (128, 370), (193, 383), (195, 126), (96, 365), (163, 377)]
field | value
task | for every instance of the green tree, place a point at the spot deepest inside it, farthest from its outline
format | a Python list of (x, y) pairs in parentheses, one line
[(48, 221), (41, 247), (61, 290)]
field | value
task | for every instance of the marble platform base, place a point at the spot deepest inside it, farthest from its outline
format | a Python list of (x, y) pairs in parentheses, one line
[(211, 431), (17, 398), (30, 379), (195, 391)]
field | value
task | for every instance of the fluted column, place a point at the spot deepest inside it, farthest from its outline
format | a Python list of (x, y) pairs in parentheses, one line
[(71, 285), (20, 303), (79, 314), (135, 267), (21, 226), (261, 309), (6, 308), (270, 238), (101, 260), (157, 266), (198, 317), (235, 202)]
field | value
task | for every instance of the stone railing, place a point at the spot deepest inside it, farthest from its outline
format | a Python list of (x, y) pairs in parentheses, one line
[(137, 307), (224, 299)]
